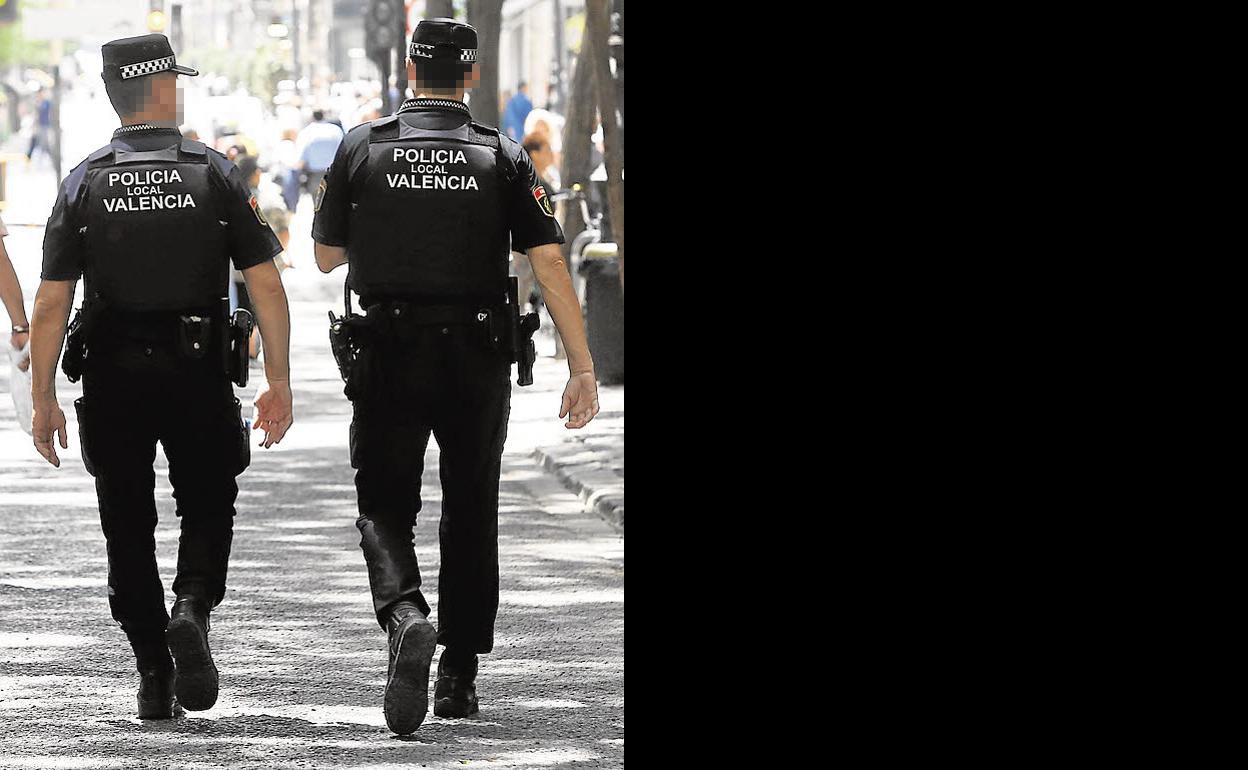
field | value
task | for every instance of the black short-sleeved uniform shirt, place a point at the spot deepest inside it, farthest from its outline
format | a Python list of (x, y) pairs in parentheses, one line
[(531, 224), (64, 254)]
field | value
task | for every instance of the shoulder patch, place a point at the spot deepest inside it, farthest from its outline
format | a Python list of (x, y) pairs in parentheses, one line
[(255, 208), (320, 193), (543, 200)]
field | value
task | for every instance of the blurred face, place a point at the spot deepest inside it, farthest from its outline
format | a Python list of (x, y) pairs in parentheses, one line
[(164, 97), (418, 86)]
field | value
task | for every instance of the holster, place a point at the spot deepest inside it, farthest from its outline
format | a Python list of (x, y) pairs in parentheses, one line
[(78, 339), (347, 338), (523, 327), (73, 363), (238, 346)]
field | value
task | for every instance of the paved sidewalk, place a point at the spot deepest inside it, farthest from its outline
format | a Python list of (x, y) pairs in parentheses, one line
[(591, 464), (303, 662)]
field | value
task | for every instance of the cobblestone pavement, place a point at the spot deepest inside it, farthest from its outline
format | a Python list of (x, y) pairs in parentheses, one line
[(303, 662)]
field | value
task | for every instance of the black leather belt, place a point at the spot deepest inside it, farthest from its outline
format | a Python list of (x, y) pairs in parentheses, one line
[(156, 326), (429, 315)]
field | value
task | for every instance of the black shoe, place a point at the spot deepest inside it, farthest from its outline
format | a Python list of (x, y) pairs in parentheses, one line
[(155, 668), (413, 640), (455, 695), (156, 699), (196, 682)]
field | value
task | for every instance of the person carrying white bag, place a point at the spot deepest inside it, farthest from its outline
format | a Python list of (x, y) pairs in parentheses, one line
[(19, 338)]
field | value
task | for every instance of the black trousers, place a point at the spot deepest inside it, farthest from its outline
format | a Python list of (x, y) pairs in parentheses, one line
[(444, 382), (136, 394)]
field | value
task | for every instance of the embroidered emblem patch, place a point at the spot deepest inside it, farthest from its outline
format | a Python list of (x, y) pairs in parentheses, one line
[(543, 201), (255, 207), (320, 194)]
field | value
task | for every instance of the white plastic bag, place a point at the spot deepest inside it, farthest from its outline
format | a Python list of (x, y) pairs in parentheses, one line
[(19, 384)]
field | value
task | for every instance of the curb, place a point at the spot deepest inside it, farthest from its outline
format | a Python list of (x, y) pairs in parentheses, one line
[(588, 472)]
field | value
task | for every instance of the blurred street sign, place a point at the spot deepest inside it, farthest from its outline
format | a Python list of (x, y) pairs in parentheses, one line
[(79, 19)]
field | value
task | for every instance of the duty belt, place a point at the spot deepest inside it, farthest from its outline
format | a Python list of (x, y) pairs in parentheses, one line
[(156, 326), (430, 315)]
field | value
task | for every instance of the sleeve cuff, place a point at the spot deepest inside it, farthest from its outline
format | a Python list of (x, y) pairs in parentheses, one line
[(328, 240), (544, 241), (257, 260)]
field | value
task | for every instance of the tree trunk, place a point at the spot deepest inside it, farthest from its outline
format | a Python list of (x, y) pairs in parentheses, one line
[(577, 141), (400, 55), (439, 9), (578, 130), (487, 17), (597, 29)]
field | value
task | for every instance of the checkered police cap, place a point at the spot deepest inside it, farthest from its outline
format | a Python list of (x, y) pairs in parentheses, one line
[(443, 39), (135, 57)]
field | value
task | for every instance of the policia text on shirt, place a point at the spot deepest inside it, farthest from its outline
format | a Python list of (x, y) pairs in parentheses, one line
[(151, 222), (425, 207)]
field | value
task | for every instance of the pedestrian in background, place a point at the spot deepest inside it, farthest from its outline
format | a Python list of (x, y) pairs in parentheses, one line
[(539, 149), (428, 257), (41, 133), (272, 203), (316, 145), (517, 110), (152, 360), (287, 171), (549, 125), (272, 209)]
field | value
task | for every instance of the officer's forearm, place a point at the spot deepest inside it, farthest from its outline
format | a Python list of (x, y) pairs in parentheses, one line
[(268, 296), (329, 257), (561, 300), (47, 334), (11, 290)]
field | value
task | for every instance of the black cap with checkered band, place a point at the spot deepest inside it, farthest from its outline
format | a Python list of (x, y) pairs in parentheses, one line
[(136, 57), (443, 39)]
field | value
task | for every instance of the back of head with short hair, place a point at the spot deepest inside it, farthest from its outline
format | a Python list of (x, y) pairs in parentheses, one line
[(127, 96), (248, 165)]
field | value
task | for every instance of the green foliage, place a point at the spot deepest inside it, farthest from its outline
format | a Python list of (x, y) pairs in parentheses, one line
[(259, 70), (17, 50)]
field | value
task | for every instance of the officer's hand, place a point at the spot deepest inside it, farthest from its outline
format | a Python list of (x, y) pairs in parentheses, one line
[(274, 412), (18, 343), (580, 400), (48, 419)]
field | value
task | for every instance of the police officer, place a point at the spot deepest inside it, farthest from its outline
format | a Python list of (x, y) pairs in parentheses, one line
[(424, 206), (152, 221)]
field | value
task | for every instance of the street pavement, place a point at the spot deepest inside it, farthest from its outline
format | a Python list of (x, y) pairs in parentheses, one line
[(592, 466), (302, 659)]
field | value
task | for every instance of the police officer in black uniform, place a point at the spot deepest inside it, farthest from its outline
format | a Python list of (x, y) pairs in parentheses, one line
[(152, 221), (425, 206)]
